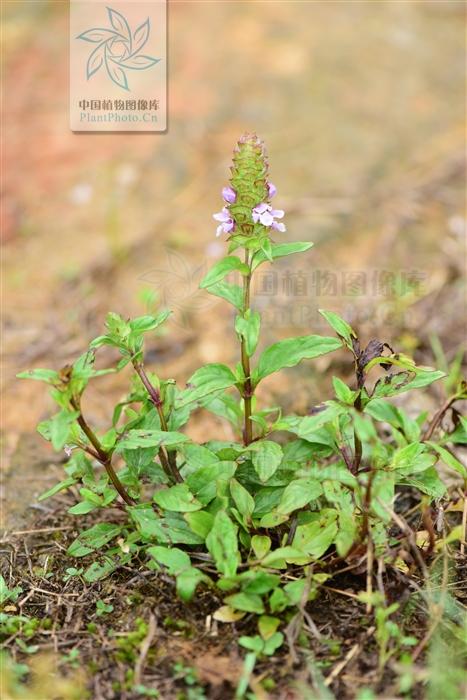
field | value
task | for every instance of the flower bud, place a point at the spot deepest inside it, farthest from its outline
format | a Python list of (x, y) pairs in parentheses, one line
[(229, 195)]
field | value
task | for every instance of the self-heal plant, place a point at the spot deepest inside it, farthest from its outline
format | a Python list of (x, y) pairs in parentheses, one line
[(263, 519)]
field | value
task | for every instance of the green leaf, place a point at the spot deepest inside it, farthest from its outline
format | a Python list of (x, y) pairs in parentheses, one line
[(428, 482), (99, 570), (266, 499), (172, 529), (424, 376), (232, 293), (82, 508), (392, 384), (148, 523), (119, 329), (102, 608), (459, 436), (298, 494), (248, 327), (205, 482), (105, 340), (347, 534), (412, 459), (449, 459), (224, 406), (267, 626), (196, 457), (142, 324), (261, 544), (273, 643), (279, 600), (140, 458), (343, 392), (90, 496), (135, 439), (249, 602), (222, 544), (383, 411), (382, 494), (49, 376), (174, 559), (266, 457), (342, 328), (8, 593), (255, 644), (306, 428), (187, 582), (279, 556), (61, 486), (60, 425), (273, 519), (289, 352), (178, 498), (280, 250), (200, 522), (315, 538), (206, 380), (222, 268), (266, 248), (259, 582), (94, 538), (243, 499)]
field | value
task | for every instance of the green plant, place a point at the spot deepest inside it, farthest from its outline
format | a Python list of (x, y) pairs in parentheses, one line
[(6, 593), (187, 674), (389, 635), (261, 519), (103, 608), (128, 643), (22, 628)]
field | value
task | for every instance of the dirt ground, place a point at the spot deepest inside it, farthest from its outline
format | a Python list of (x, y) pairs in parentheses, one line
[(362, 108)]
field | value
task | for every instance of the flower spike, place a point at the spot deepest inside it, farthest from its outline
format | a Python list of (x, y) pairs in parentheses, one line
[(247, 210)]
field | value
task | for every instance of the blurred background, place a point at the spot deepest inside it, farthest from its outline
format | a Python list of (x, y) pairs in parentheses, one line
[(362, 107)]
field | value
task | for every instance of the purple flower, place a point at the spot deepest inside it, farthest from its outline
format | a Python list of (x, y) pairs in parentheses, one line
[(227, 223), (229, 195), (272, 189), (264, 214)]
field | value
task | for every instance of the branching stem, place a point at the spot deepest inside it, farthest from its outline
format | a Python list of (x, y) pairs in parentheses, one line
[(438, 417), (104, 457), (169, 460)]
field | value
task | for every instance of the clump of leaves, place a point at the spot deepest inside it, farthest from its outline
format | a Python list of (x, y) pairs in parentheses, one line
[(262, 520)]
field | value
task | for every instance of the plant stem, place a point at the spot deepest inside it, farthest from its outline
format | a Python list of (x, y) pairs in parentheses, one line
[(247, 386), (438, 417), (369, 572), (357, 442), (169, 460), (104, 457)]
